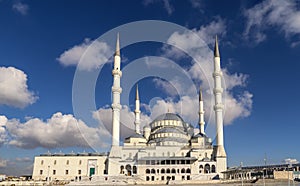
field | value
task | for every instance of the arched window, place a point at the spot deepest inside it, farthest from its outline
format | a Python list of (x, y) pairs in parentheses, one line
[(42, 162), (200, 168), (147, 171), (173, 170), (54, 162), (188, 170), (163, 171), (213, 168), (152, 171), (121, 169), (134, 170), (147, 178), (206, 168), (168, 171), (67, 162), (80, 162), (128, 168), (182, 170)]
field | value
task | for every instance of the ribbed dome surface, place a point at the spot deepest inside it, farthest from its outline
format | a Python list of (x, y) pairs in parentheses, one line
[(168, 116), (169, 129)]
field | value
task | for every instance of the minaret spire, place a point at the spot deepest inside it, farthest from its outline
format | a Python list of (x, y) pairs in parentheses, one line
[(216, 50), (137, 92), (117, 53), (219, 108), (201, 113), (137, 111), (116, 94), (200, 94)]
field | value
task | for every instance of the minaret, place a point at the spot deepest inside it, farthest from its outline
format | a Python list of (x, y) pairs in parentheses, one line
[(218, 108), (137, 111), (116, 92), (201, 113)]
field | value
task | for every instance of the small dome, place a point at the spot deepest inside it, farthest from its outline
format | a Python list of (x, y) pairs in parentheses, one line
[(146, 127)]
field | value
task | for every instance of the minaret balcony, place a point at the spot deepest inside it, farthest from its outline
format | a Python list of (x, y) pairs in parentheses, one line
[(217, 73), (116, 72), (116, 89), (218, 90), (115, 106), (219, 106)]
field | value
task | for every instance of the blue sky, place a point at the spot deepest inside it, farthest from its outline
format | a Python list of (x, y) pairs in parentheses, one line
[(41, 43)]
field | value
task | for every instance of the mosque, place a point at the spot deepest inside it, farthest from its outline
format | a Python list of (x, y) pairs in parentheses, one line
[(166, 149)]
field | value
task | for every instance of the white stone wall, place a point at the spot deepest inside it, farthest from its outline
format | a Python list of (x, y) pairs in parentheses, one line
[(67, 167), (283, 175)]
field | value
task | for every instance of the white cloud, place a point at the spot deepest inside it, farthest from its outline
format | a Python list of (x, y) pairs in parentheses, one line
[(237, 108), (23, 159), (284, 15), (295, 44), (104, 115), (3, 133), (198, 4), (14, 90), (3, 121), (21, 8), (187, 108), (98, 53), (3, 163), (166, 3), (208, 32), (18, 166), (237, 105), (169, 8), (61, 130), (193, 44), (290, 161), (3, 136), (172, 87)]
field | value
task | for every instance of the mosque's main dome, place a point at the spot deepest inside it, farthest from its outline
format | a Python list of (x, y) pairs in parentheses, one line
[(170, 129)]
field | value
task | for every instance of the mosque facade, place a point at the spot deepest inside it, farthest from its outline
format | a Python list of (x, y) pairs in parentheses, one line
[(166, 149)]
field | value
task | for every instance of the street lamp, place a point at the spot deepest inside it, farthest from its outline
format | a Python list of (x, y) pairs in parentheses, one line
[(264, 177), (265, 160), (288, 174), (242, 173), (289, 167)]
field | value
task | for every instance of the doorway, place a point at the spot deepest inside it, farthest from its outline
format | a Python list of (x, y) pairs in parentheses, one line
[(92, 171)]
